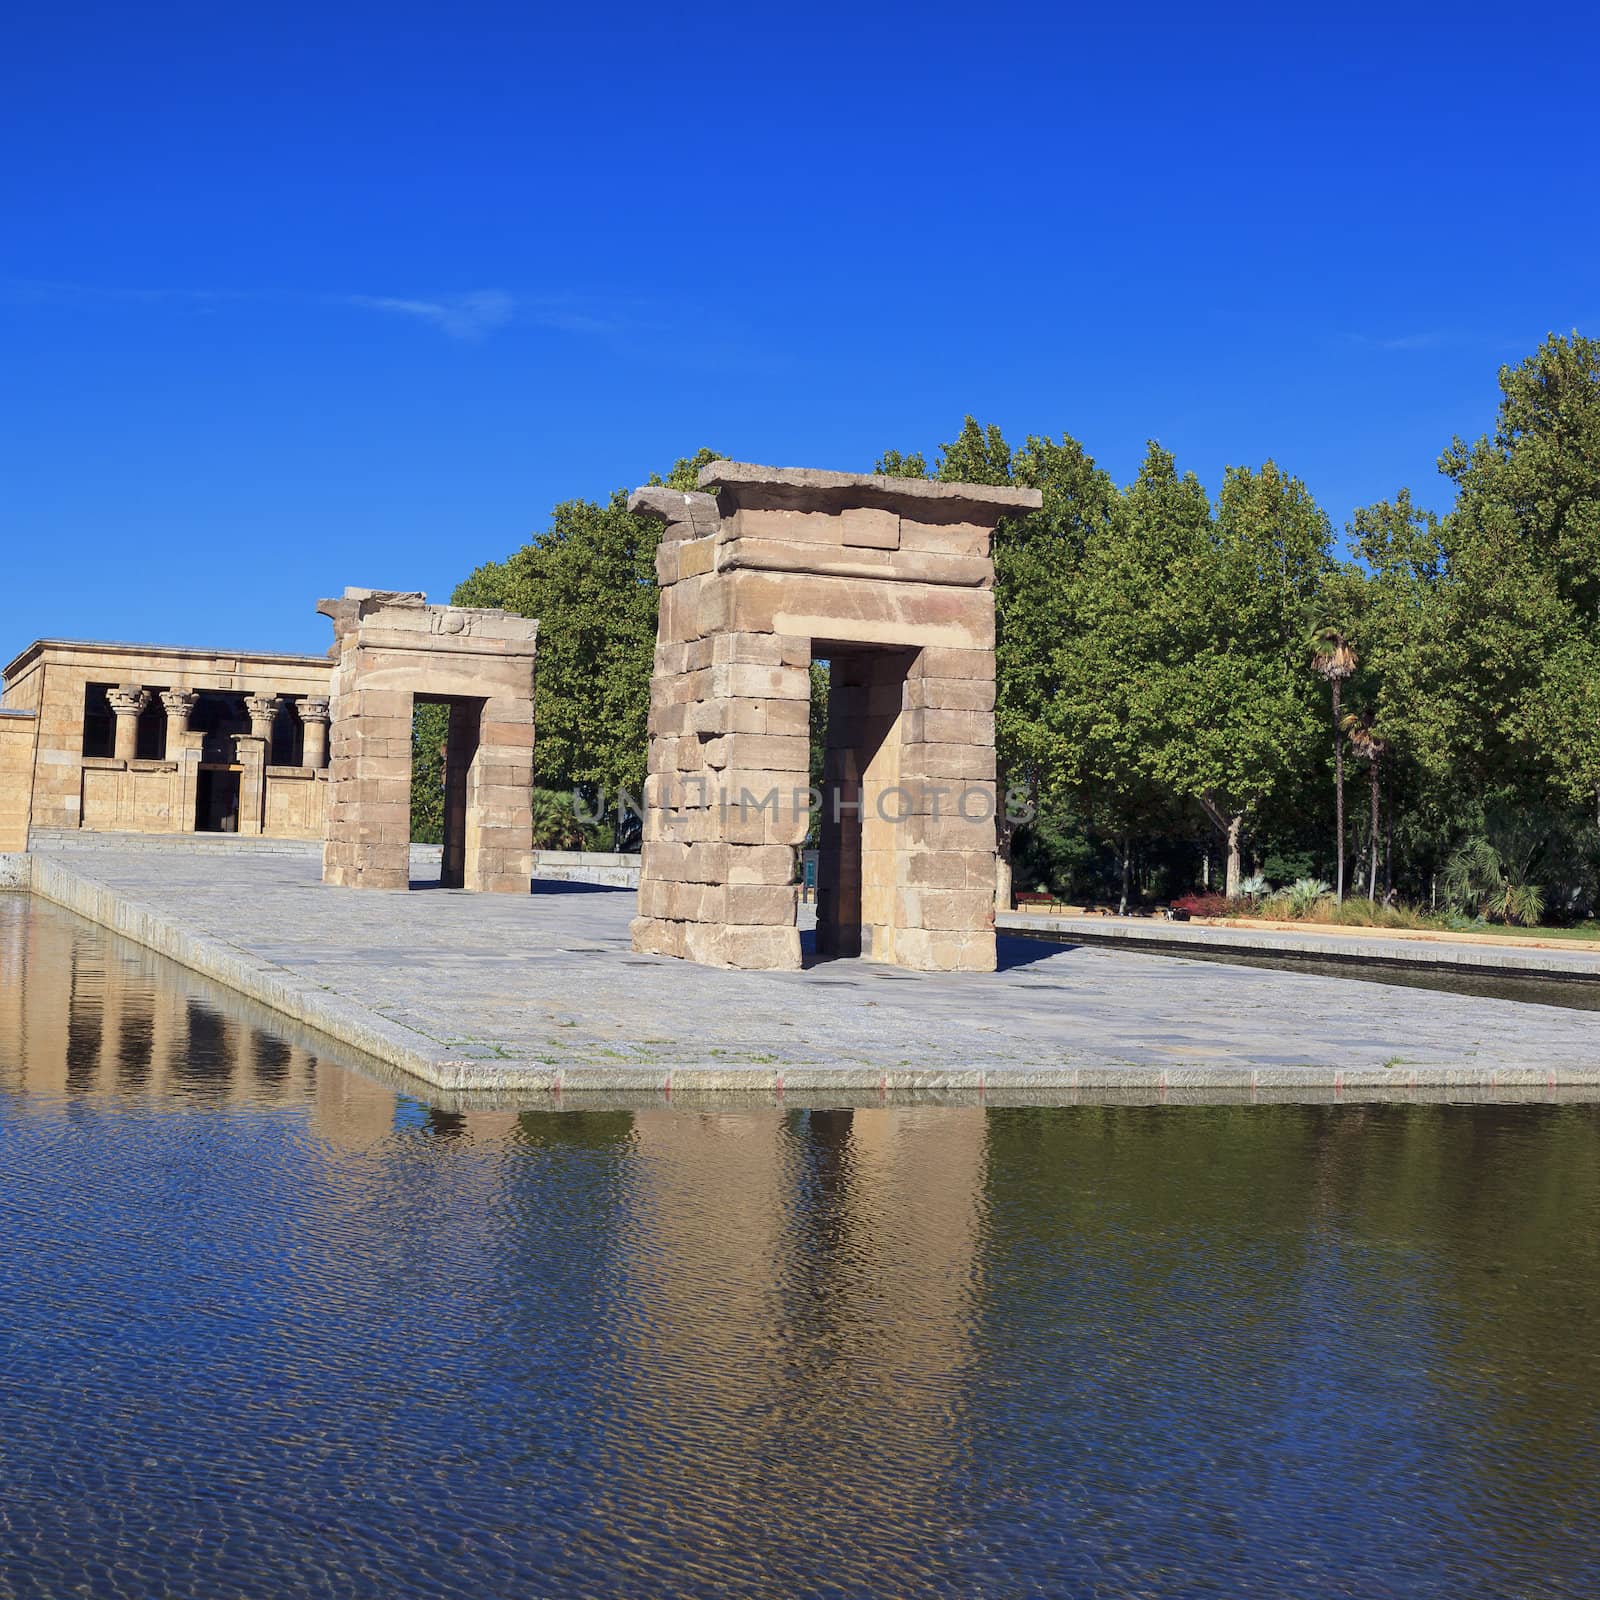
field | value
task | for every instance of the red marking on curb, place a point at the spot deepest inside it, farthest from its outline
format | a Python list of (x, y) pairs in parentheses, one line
[(666, 1088)]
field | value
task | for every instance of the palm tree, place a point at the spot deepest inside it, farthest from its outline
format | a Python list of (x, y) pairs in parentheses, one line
[(1372, 747), (1334, 658)]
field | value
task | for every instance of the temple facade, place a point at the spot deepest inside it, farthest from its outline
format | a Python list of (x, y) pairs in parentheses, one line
[(162, 739)]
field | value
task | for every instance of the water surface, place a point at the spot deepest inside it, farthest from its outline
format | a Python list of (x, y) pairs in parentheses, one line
[(269, 1327)]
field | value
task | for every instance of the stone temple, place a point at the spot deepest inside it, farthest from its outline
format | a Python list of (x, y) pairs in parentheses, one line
[(891, 582), (766, 572), (395, 651)]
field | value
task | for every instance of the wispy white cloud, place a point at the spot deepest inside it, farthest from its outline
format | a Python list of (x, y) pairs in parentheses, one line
[(462, 316), (471, 316), (1431, 339)]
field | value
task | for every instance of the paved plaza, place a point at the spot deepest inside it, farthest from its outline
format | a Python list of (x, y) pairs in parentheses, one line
[(494, 991)]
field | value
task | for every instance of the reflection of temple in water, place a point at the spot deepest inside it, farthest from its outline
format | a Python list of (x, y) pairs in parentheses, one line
[(803, 1290), (84, 1014), (784, 1299)]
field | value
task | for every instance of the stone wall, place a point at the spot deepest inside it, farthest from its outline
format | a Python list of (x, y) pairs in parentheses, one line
[(17, 732)]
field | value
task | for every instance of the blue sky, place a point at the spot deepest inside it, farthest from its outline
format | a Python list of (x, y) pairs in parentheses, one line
[(298, 297)]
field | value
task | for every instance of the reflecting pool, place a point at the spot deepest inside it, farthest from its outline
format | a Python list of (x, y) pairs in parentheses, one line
[(271, 1327)]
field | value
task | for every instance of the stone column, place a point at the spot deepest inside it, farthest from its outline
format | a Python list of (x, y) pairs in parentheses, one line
[(251, 752), (314, 719), (263, 709), (179, 705), (127, 702), (184, 751)]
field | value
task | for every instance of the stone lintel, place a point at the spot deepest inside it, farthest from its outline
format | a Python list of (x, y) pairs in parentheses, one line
[(687, 515), (392, 618), (742, 483)]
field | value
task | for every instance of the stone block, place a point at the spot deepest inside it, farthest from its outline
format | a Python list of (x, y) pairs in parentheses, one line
[(929, 950), (752, 904), (951, 538), (967, 665), (506, 735), (950, 694), (755, 949), (723, 716), (870, 526), (673, 659), (955, 763), (695, 557), (760, 650), (947, 832), (737, 680), (947, 869), (972, 728), (757, 864), (957, 910), (762, 753)]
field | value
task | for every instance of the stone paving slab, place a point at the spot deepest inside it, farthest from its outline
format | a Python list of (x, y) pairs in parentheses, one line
[(495, 991)]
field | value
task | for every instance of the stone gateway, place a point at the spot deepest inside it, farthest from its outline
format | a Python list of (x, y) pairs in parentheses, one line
[(394, 650), (891, 582)]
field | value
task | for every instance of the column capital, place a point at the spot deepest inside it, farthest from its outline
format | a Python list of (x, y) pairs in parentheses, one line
[(263, 708), (128, 699), (179, 702), (314, 708)]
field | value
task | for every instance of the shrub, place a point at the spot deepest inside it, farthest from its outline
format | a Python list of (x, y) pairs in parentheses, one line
[(555, 821), (1478, 877), (1212, 905), (1304, 895)]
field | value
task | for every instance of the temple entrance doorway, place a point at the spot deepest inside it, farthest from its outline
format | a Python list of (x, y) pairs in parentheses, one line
[(447, 733), (216, 807), (864, 802)]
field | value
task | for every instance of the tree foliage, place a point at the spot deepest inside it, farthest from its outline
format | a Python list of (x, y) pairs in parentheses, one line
[(589, 577), (1163, 673)]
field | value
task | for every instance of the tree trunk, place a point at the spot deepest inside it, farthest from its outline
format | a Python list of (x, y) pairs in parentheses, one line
[(1002, 881), (1205, 872), (1372, 875), (1002, 864), (1005, 831), (1127, 864), (1338, 793), (1388, 847), (1235, 829)]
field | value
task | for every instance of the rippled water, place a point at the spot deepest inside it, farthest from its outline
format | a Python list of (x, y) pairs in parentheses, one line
[(268, 1327)]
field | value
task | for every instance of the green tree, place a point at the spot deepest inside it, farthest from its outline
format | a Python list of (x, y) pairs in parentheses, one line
[(1523, 548), (1203, 621), (429, 725), (1035, 557), (589, 578), (1333, 658)]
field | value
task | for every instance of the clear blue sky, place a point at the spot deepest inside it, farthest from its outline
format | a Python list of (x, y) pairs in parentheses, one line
[(299, 296)]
